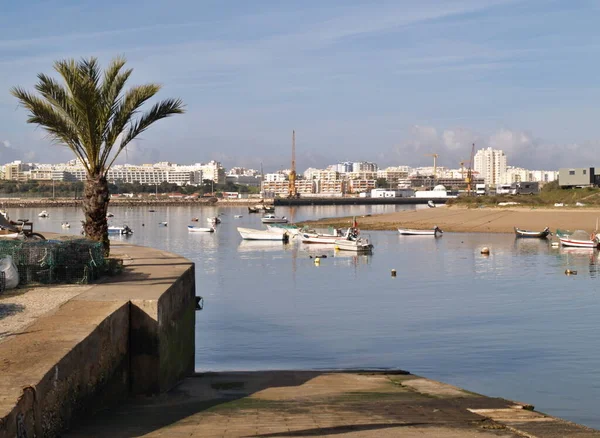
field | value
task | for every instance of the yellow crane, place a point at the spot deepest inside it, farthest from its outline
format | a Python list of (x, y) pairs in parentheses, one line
[(292, 191), (469, 178), (435, 157)]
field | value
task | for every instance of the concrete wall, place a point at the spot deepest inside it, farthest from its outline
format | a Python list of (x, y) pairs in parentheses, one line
[(133, 334)]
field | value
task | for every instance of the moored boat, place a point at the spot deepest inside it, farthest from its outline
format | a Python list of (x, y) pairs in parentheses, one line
[(578, 239), (163, 224), (533, 234), (109, 214), (293, 230), (213, 220), (431, 204), (193, 229), (352, 242), (272, 219), (124, 230), (44, 213), (252, 234), (65, 225), (412, 232)]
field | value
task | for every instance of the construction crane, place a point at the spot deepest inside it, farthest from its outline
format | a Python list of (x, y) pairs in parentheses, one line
[(292, 191), (469, 178), (435, 156)]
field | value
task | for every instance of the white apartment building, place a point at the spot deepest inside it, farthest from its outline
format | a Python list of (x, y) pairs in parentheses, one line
[(320, 174), (275, 177), (394, 174), (491, 165)]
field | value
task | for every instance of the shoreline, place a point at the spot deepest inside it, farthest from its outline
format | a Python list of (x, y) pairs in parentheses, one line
[(128, 202), (472, 220)]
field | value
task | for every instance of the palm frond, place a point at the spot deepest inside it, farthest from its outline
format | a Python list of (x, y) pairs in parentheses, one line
[(58, 127), (159, 111)]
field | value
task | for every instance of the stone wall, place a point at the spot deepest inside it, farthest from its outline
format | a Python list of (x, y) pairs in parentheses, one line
[(132, 334)]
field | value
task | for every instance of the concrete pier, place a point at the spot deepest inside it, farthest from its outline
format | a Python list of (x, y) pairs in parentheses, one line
[(128, 335), (312, 403)]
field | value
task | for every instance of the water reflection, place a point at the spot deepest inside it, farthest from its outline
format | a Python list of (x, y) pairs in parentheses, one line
[(580, 258), (262, 245)]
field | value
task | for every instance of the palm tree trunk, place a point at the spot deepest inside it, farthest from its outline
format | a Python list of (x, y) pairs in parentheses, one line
[(95, 207)]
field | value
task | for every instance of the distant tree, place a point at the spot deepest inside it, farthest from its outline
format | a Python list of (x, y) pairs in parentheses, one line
[(92, 115), (382, 183)]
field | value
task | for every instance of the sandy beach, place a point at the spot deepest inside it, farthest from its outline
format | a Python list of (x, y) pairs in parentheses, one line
[(480, 220)]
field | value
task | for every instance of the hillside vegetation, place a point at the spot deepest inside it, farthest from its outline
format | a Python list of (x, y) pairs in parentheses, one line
[(549, 195)]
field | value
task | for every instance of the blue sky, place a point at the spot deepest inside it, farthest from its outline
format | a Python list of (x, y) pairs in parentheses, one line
[(385, 81)]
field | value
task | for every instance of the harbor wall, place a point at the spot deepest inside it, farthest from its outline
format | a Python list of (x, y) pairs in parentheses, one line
[(132, 334), (355, 201)]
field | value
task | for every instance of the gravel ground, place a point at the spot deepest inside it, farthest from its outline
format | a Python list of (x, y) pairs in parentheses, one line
[(21, 307)]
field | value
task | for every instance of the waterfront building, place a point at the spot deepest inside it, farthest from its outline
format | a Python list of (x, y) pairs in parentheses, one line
[(393, 174), (16, 171), (244, 180), (213, 170), (361, 185), (275, 177), (491, 165)]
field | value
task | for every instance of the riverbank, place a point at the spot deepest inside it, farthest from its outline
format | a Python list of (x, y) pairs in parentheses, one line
[(472, 220), (130, 202)]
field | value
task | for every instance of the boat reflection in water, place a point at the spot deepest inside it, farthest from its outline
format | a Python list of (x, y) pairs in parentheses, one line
[(263, 245), (582, 259)]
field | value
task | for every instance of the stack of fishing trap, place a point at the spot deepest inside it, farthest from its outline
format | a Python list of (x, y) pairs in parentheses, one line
[(55, 261)]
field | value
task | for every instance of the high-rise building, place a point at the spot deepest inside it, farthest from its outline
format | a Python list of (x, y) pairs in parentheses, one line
[(491, 165)]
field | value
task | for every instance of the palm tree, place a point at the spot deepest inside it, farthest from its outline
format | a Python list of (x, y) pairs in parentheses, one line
[(92, 115)]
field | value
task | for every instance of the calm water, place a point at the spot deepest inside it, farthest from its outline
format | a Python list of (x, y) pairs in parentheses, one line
[(511, 324)]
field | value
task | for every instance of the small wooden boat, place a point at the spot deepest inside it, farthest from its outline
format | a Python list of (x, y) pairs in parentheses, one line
[(533, 234), (193, 229), (578, 239), (430, 204), (272, 219), (251, 234), (411, 232), (163, 224), (123, 230), (195, 219)]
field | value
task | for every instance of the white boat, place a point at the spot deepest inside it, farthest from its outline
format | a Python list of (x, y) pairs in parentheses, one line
[(193, 229), (65, 225), (358, 245), (430, 204), (327, 238), (120, 230), (163, 224), (44, 214), (578, 239), (213, 220), (293, 230), (237, 216), (411, 232), (318, 238), (272, 219), (251, 234), (109, 214)]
